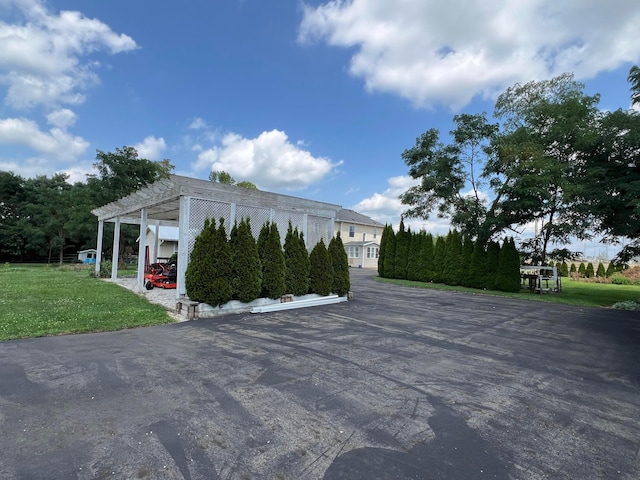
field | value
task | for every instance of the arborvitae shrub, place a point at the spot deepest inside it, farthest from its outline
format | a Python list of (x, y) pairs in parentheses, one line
[(201, 268), (452, 259), (340, 264), (465, 273), (551, 264), (478, 267), (402, 252), (610, 270), (582, 270), (563, 270), (492, 262), (390, 253), (600, 272), (321, 278), (296, 261), (589, 272), (426, 259), (573, 268), (509, 267), (219, 291), (382, 252), (413, 265), (247, 269), (438, 259), (273, 268)]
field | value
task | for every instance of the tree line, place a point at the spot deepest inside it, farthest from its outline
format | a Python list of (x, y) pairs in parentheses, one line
[(551, 158), (454, 259), (41, 218), (237, 266)]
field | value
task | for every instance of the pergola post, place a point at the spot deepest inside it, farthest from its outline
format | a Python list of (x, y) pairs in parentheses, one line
[(156, 243), (99, 246), (142, 247), (116, 249), (183, 246)]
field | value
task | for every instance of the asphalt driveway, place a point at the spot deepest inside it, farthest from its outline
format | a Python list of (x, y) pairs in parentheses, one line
[(398, 383)]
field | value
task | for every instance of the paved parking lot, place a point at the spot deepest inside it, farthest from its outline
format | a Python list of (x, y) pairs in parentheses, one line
[(398, 383)]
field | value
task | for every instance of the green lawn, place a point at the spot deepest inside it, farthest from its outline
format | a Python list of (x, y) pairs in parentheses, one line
[(573, 292), (39, 301)]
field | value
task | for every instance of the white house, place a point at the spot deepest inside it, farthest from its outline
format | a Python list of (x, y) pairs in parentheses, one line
[(361, 237), (162, 242)]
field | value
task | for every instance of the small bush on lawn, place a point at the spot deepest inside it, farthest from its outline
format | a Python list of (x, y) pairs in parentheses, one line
[(627, 305), (620, 279)]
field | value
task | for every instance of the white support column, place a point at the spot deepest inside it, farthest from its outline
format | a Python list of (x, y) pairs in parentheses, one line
[(116, 249), (142, 246), (183, 246), (99, 245), (156, 246)]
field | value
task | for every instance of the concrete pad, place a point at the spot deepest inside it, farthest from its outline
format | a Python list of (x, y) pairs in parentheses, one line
[(398, 383)]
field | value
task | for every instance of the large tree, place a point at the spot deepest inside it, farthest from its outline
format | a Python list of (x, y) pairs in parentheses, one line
[(492, 178)]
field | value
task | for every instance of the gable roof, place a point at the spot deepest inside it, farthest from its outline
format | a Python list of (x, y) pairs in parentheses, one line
[(349, 216)]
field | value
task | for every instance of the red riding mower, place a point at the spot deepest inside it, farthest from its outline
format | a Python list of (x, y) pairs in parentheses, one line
[(161, 275)]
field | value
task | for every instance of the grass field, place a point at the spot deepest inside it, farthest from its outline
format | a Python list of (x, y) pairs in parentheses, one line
[(573, 292), (38, 301)]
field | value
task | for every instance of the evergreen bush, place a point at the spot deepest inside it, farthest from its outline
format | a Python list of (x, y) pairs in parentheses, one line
[(426, 259), (438, 259), (452, 258), (200, 270), (573, 268), (272, 259), (492, 264), (340, 263), (296, 261), (321, 278), (582, 270), (589, 272), (509, 267), (382, 252), (478, 267), (563, 270), (600, 272), (413, 264), (390, 253), (465, 273), (247, 269), (220, 291), (610, 270), (402, 252)]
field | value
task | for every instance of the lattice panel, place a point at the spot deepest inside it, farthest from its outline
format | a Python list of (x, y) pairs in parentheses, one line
[(282, 217), (257, 217), (201, 209), (318, 228)]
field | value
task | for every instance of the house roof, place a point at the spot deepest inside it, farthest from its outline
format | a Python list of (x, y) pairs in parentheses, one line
[(161, 200), (349, 216), (361, 244)]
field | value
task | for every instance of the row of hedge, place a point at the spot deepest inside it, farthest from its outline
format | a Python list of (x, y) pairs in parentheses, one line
[(239, 267), (587, 271), (452, 260)]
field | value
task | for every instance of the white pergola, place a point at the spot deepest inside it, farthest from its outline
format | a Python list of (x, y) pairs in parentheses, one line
[(186, 202)]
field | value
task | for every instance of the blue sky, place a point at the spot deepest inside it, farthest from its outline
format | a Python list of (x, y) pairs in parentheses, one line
[(313, 99)]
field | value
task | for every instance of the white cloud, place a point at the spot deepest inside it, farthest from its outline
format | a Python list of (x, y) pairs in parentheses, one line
[(62, 118), (439, 52), (198, 124), (57, 141), (151, 148), (269, 160), (43, 55)]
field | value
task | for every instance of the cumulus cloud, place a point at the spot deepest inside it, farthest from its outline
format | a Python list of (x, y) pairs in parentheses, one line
[(62, 118), (43, 59), (439, 52), (270, 161), (386, 208), (57, 141), (151, 148)]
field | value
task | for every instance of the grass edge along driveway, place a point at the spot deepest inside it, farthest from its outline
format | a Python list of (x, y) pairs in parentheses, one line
[(40, 301)]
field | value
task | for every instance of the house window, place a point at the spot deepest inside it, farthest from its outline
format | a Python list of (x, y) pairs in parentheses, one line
[(375, 233), (352, 231), (353, 252), (373, 252)]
